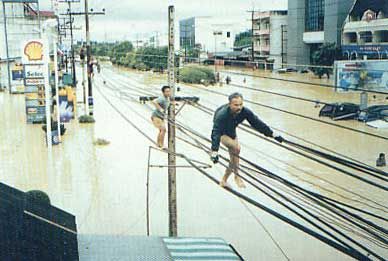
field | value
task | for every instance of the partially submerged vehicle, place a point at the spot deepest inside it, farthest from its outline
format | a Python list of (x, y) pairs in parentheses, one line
[(340, 111), (372, 113), (351, 111)]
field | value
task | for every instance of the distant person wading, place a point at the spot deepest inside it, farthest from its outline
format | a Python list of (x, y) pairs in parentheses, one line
[(226, 119)]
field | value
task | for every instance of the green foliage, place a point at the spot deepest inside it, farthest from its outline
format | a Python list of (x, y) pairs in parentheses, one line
[(243, 38), (86, 119), (209, 73), (123, 54), (325, 55), (193, 74), (37, 197)]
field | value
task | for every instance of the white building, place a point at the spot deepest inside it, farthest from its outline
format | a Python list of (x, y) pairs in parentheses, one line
[(22, 24), (270, 37), (365, 31), (208, 34)]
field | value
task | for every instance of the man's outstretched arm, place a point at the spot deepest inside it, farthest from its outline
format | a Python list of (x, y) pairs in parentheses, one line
[(258, 125)]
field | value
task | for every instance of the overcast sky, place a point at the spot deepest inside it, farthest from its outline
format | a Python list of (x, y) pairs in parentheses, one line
[(131, 19)]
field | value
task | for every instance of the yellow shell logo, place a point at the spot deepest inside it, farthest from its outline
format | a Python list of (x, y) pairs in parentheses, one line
[(34, 51)]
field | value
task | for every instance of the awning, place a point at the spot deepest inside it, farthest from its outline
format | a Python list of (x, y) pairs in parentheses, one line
[(120, 247), (213, 249)]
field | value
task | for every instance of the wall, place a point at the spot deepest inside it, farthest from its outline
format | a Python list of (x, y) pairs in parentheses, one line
[(276, 23), (335, 15), (297, 51), (204, 28), (19, 30)]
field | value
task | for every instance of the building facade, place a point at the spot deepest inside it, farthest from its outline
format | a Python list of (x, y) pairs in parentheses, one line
[(23, 21), (365, 32), (270, 37), (207, 34), (312, 23)]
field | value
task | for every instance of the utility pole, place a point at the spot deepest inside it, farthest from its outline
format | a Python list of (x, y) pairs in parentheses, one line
[(88, 50), (6, 47), (88, 58), (172, 202), (72, 46), (253, 35), (284, 44)]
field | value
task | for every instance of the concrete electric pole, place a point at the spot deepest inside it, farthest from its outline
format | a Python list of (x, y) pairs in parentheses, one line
[(172, 201), (89, 100)]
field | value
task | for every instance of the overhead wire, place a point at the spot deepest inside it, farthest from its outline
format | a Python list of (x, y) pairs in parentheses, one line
[(351, 252), (299, 152), (348, 250), (294, 136), (293, 204), (356, 162)]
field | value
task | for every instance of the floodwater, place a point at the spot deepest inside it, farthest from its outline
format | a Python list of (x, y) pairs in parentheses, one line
[(105, 186)]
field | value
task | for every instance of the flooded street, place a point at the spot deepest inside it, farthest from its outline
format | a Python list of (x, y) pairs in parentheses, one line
[(105, 186)]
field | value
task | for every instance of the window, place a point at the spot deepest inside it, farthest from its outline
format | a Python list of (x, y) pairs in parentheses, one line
[(315, 13), (382, 36), (350, 38), (228, 34), (366, 37)]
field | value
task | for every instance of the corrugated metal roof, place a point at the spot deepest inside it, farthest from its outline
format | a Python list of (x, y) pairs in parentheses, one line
[(116, 247), (199, 249)]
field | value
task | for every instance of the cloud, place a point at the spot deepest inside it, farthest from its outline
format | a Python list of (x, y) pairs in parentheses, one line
[(127, 19)]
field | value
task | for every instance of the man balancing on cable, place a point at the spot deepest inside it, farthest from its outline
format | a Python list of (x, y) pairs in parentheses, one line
[(226, 119), (161, 104)]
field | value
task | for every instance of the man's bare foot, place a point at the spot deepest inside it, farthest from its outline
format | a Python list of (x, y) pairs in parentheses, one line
[(224, 183), (239, 182), (160, 145)]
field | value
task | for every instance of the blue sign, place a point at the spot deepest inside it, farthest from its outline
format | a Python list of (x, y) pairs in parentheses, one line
[(360, 50), (17, 75)]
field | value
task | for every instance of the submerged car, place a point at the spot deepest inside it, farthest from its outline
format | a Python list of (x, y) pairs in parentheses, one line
[(372, 113), (340, 111)]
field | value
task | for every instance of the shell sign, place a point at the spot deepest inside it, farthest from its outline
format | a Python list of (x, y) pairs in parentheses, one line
[(33, 51)]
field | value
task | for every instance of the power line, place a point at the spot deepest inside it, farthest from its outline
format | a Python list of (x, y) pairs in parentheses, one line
[(332, 158), (347, 250), (300, 115)]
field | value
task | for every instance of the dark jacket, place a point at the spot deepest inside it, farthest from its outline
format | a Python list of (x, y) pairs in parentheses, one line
[(224, 123)]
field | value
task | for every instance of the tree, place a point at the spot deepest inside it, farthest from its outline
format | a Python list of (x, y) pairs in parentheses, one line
[(325, 56), (243, 39)]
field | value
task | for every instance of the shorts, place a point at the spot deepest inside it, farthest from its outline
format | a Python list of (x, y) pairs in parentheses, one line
[(158, 122), (229, 142)]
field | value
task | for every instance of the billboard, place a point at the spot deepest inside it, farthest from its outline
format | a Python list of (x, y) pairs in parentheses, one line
[(361, 74), (17, 79)]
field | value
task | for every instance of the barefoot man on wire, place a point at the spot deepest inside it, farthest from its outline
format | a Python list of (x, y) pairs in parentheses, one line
[(226, 119), (161, 104)]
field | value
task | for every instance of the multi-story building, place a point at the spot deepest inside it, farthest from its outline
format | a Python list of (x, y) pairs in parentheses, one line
[(312, 23), (365, 32), (206, 33), (270, 38)]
